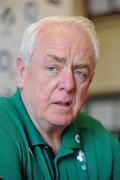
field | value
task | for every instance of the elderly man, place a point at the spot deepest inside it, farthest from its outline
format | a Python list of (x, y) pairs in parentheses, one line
[(43, 135)]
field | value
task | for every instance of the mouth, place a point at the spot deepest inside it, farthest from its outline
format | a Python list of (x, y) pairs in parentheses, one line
[(63, 103)]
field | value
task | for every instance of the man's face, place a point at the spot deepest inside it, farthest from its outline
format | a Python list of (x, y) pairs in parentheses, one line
[(55, 85)]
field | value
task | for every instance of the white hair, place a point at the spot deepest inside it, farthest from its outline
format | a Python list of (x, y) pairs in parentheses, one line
[(29, 36)]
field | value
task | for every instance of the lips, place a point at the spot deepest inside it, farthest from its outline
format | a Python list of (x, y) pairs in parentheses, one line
[(63, 103)]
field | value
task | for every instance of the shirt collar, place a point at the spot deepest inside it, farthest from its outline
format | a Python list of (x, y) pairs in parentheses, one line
[(70, 137), (32, 133)]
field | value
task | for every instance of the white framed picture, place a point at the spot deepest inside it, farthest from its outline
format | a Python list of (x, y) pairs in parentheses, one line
[(15, 17), (98, 8)]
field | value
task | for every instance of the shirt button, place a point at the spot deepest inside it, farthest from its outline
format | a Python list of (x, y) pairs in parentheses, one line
[(77, 138), (46, 147)]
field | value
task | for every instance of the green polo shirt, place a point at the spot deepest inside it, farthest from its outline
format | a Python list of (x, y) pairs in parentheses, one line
[(87, 151)]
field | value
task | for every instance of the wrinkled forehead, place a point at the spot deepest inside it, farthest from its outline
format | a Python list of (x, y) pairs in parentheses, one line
[(64, 40), (61, 32), (65, 33)]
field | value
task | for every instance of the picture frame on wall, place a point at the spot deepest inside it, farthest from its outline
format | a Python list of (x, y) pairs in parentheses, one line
[(99, 8)]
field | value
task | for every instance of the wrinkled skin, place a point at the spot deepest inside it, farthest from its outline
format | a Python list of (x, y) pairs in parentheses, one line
[(55, 84)]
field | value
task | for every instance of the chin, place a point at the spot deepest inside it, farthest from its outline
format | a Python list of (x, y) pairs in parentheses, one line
[(61, 120)]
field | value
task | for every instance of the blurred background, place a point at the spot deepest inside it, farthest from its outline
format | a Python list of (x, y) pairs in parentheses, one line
[(104, 97)]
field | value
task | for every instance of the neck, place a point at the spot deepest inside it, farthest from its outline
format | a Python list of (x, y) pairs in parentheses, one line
[(52, 136), (49, 132)]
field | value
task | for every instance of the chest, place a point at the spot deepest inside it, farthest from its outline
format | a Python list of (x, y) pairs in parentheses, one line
[(43, 165)]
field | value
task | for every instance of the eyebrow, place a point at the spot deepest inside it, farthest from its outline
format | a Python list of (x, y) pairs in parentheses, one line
[(63, 60), (77, 66), (57, 59)]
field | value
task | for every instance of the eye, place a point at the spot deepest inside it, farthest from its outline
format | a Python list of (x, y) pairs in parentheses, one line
[(81, 75), (78, 73), (52, 69)]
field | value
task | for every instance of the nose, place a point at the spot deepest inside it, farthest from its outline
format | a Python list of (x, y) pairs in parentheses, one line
[(67, 81)]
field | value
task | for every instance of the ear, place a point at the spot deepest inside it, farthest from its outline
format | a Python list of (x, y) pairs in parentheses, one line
[(20, 72)]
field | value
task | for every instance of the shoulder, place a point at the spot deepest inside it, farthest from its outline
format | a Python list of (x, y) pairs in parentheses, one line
[(84, 120), (11, 146), (9, 121), (89, 126), (6, 105), (8, 115), (99, 144), (3, 100), (10, 136), (87, 122)]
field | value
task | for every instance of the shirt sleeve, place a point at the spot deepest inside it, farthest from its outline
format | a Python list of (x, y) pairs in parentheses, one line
[(116, 165), (10, 167)]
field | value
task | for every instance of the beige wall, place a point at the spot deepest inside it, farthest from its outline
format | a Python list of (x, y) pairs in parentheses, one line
[(107, 72), (15, 16), (79, 7), (107, 78)]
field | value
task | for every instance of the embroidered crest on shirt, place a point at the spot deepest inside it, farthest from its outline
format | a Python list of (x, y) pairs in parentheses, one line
[(82, 159)]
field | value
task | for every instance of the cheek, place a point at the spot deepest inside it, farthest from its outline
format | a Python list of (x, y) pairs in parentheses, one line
[(43, 89), (81, 96)]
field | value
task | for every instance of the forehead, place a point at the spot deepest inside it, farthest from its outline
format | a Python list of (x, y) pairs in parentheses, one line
[(63, 37), (62, 32)]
